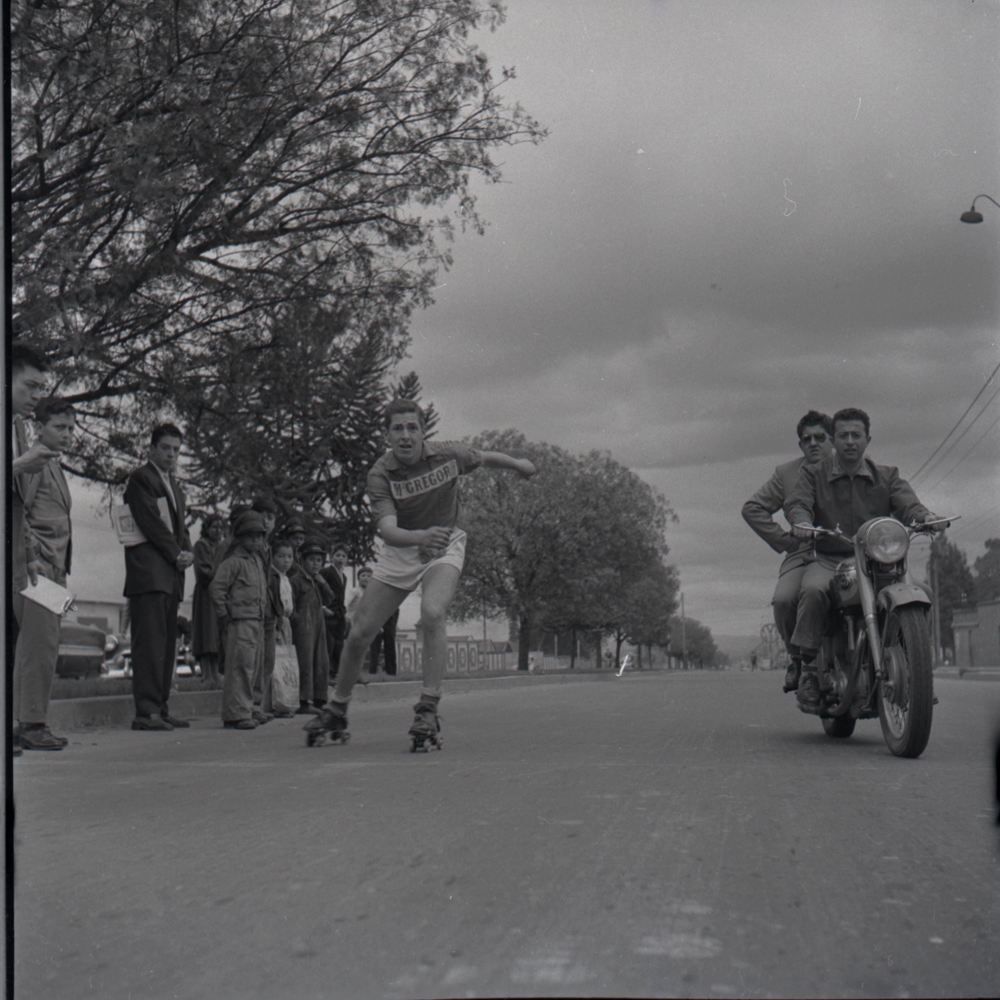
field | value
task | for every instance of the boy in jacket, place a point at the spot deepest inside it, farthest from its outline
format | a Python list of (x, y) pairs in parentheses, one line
[(313, 599), (239, 596)]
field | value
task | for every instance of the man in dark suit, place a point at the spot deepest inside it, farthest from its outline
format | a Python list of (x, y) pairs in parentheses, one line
[(815, 433), (154, 578), (336, 626)]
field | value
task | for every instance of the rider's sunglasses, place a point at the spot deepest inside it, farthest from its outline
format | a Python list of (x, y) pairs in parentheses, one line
[(818, 438)]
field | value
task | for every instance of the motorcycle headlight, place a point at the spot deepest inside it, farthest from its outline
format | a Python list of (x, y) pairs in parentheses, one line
[(886, 541)]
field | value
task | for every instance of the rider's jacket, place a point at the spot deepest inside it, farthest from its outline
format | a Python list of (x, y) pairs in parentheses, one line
[(768, 500), (828, 497)]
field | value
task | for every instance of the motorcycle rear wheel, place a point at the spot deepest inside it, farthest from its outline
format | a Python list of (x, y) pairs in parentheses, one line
[(906, 715), (841, 727)]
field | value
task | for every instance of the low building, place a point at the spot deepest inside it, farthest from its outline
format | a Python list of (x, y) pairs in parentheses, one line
[(977, 635)]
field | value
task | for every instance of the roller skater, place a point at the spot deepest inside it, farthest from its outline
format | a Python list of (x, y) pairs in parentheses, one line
[(330, 726), (426, 729), (415, 503)]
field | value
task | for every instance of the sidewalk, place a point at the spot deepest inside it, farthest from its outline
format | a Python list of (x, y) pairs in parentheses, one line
[(118, 710)]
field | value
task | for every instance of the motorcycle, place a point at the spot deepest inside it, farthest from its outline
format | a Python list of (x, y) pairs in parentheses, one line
[(876, 657)]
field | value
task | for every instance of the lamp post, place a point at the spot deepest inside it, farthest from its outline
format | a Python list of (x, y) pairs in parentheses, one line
[(972, 216)]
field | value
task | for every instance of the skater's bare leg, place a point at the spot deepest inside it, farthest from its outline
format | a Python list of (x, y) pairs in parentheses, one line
[(438, 589), (377, 603)]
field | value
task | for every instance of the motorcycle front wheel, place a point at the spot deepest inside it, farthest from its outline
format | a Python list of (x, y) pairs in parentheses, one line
[(905, 709)]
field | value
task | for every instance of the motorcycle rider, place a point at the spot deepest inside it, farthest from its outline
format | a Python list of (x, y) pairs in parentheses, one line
[(815, 434), (844, 491)]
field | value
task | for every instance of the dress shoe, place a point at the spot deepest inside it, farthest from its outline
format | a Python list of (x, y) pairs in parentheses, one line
[(306, 709), (792, 676), (284, 715), (39, 738), (151, 722), (261, 717), (239, 724), (176, 723), (808, 692)]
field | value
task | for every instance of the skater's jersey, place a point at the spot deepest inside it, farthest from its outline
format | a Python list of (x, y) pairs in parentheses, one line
[(426, 494)]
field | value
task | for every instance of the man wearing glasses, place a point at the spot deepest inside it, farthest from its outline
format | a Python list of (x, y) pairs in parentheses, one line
[(815, 433)]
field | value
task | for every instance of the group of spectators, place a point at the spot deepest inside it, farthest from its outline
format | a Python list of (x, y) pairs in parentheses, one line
[(304, 601), (253, 587)]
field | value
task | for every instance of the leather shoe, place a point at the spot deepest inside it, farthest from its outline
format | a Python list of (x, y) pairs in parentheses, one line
[(239, 724), (39, 738), (261, 717), (176, 723), (151, 722)]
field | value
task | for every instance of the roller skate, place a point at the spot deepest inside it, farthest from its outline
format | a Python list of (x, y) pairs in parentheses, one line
[(327, 727), (426, 729)]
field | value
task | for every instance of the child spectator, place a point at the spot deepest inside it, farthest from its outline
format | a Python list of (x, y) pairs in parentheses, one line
[(208, 552), (313, 599), (239, 597)]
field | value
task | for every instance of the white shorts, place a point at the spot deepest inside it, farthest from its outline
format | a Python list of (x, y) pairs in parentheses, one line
[(405, 567)]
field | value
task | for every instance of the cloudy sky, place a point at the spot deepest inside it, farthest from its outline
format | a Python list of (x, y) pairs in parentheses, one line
[(744, 210)]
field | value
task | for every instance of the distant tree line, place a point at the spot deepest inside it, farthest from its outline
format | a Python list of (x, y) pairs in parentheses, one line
[(578, 549)]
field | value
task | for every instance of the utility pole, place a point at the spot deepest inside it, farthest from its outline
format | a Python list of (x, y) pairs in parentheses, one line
[(684, 645), (936, 620)]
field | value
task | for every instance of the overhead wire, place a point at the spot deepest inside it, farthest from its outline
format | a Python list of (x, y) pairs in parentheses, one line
[(978, 441), (986, 385)]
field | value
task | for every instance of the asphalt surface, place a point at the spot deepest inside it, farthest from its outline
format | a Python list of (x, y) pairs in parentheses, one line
[(655, 835)]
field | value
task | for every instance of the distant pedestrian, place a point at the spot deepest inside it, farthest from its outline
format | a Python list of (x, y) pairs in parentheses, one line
[(386, 641), (239, 596), (309, 626), (154, 578), (208, 552), (282, 600), (47, 505)]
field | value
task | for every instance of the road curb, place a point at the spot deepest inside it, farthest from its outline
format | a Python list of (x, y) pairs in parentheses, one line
[(118, 711)]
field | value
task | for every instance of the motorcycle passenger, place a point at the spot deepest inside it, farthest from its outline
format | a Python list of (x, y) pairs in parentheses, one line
[(815, 434), (843, 491)]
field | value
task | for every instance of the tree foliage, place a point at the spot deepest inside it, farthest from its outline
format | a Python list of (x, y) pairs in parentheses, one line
[(955, 587), (694, 641), (987, 567), (562, 549), (190, 179)]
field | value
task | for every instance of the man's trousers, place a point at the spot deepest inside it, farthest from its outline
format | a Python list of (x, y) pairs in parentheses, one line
[(35, 658), (154, 650)]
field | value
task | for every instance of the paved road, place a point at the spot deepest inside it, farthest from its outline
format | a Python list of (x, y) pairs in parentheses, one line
[(657, 835)]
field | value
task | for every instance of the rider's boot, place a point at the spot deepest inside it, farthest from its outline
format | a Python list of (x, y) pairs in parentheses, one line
[(792, 675), (808, 692)]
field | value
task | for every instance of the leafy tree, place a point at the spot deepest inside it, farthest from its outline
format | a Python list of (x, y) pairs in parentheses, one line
[(955, 587), (187, 175), (697, 642), (987, 567), (555, 550)]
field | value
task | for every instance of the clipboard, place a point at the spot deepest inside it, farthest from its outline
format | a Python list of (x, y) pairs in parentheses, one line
[(50, 595), (128, 531)]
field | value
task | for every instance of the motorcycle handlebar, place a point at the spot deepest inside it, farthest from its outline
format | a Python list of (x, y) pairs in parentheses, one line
[(914, 528)]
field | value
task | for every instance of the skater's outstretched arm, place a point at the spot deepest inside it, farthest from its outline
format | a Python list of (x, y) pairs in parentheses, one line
[(498, 460)]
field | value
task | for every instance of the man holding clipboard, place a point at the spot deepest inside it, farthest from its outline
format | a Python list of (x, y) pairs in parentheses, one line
[(154, 577)]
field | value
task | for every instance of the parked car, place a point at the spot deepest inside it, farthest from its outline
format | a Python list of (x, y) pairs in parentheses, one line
[(118, 656), (81, 650)]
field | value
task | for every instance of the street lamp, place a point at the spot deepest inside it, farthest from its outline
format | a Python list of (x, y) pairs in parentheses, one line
[(972, 215)]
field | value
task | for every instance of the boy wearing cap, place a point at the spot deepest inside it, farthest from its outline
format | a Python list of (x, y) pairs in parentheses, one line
[(238, 592), (313, 599), (413, 490)]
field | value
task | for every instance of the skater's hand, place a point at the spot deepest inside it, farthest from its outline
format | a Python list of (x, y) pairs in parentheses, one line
[(433, 538), (524, 468)]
